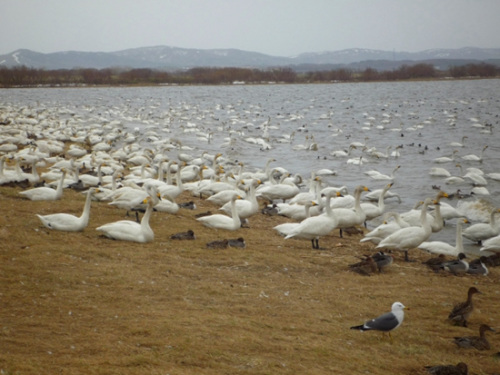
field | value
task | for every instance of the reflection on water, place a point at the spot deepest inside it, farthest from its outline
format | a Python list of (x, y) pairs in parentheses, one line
[(303, 126)]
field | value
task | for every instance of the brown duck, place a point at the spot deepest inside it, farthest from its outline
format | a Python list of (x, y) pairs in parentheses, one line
[(461, 311), (365, 267), (476, 342), (460, 369)]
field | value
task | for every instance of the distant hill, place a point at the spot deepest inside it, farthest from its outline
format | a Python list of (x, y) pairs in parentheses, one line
[(174, 58)]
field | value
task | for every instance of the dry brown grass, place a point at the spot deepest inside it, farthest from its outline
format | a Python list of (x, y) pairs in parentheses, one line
[(78, 303)]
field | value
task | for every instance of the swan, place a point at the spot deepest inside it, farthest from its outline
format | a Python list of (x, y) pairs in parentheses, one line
[(44, 193), (473, 157), (411, 237), (376, 175), (128, 198), (385, 229), (440, 247), (459, 144), (483, 231), (296, 211), (445, 159), (491, 244), (372, 211), (245, 207), (282, 191), (312, 228), (439, 172), (127, 230), (342, 153), (374, 195), (348, 217), (219, 221), (69, 223)]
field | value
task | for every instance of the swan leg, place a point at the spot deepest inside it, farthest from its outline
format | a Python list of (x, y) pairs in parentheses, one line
[(341, 233)]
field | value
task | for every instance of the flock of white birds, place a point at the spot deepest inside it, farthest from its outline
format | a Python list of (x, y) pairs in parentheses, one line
[(146, 167)]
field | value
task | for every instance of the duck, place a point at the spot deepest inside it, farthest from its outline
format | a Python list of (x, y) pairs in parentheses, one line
[(461, 311), (382, 260), (189, 235), (482, 231), (459, 369), (67, 222), (478, 266), (366, 266), (44, 193), (435, 263), (348, 217), (440, 247), (237, 242), (219, 221), (411, 237), (315, 227), (458, 266), (127, 230), (475, 342)]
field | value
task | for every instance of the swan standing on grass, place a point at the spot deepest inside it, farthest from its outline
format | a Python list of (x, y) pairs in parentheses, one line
[(219, 221), (127, 230), (69, 223), (44, 193), (315, 227), (348, 217), (411, 237)]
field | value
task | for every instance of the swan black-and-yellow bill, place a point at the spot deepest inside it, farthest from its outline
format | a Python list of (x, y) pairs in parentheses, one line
[(386, 322)]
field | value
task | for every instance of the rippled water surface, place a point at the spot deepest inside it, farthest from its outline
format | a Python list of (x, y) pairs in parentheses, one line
[(423, 118)]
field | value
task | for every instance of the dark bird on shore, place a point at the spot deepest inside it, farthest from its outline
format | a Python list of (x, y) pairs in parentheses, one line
[(386, 322), (382, 260), (366, 266), (458, 266), (478, 266), (459, 369), (461, 312), (220, 244), (189, 235), (475, 342), (237, 242), (435, 263)]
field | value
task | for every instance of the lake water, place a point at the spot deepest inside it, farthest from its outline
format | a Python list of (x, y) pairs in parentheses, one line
[(421, 117)]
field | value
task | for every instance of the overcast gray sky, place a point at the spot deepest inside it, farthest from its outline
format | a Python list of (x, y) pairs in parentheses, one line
[(274, 27)]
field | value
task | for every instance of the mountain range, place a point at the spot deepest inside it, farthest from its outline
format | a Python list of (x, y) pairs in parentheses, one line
[(175, 58)]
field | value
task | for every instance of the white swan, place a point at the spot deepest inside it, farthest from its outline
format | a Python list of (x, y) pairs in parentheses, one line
[(69, 223), (127, 230), (482, 231), (245, 207), (491, 244), (440, 247), (348, 217), (385, 229), (44, 193), (372, 211), (315, 227), (376, 175), (219, 221), (473, 157), (411, 237)]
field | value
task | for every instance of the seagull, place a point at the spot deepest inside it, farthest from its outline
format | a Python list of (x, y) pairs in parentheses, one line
[(385, 322)]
